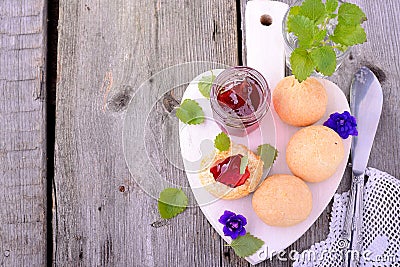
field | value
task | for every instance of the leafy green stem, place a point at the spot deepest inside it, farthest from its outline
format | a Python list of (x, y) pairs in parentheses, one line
[(316, 44)]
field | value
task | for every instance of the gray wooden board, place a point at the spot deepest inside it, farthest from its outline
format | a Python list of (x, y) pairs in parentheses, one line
[(107, 49), (22, 133)]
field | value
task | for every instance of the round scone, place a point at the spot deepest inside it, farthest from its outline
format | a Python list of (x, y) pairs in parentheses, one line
[(300, 104), (282, 200), (219, 189), (314, 153)]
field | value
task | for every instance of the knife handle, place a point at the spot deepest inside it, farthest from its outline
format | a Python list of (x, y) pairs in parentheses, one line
[(351, 236)]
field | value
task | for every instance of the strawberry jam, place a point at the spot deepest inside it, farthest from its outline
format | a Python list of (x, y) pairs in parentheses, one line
[(240, 98), (228, 171)]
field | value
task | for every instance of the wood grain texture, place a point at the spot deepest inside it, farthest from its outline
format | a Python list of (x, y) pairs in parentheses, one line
[(107, 49), (22, 133)]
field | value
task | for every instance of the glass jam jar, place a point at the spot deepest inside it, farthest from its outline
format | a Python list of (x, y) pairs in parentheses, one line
[(240, 97)]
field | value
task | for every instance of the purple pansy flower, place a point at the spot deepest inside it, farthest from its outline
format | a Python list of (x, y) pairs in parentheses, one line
[(344, 124), (234, 224)]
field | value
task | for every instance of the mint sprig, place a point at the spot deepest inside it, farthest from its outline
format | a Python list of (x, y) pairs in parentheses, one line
[(246, 245), (205, 84), (312, 24), (268, 154), (171, 202), (222, 142), (190, 112), (331, 6), (302, 63), (315, 10)]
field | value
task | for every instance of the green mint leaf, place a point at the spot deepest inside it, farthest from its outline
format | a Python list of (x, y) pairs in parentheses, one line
[(331, 5), (349, 35), (243, 164), (190, 112), (302, 64), (313, 9), (333, 15), (171, 202), (268, 154), (304, 28), (319, 37), (324, 58), (294, 10), (205, 84), (350, 14), (310, 22), (246, 245), (222, 142)]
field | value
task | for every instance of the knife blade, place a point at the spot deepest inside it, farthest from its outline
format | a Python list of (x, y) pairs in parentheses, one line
[(366, 99)]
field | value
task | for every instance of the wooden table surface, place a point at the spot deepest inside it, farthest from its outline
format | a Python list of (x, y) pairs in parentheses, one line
[(68, 69)]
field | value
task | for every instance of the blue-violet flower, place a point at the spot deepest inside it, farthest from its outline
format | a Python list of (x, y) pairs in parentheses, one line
[(234, 224), (344, 124)]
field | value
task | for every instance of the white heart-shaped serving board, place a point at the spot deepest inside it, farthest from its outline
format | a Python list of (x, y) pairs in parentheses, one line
[(196, 142)]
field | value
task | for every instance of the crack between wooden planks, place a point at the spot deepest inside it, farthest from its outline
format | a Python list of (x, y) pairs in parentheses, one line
[(51, 83), (239, 31)]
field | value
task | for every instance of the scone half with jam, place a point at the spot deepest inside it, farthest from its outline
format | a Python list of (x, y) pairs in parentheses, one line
[(223, 178)]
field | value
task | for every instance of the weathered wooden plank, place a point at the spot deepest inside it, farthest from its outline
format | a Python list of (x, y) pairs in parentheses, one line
[(106, 50), (381, 54), (22, 133)]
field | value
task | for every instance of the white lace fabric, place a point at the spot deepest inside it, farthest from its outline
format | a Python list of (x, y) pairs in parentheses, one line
[(381, 227)]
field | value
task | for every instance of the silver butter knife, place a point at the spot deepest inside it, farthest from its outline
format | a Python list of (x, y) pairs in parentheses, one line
[(366, 100)]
